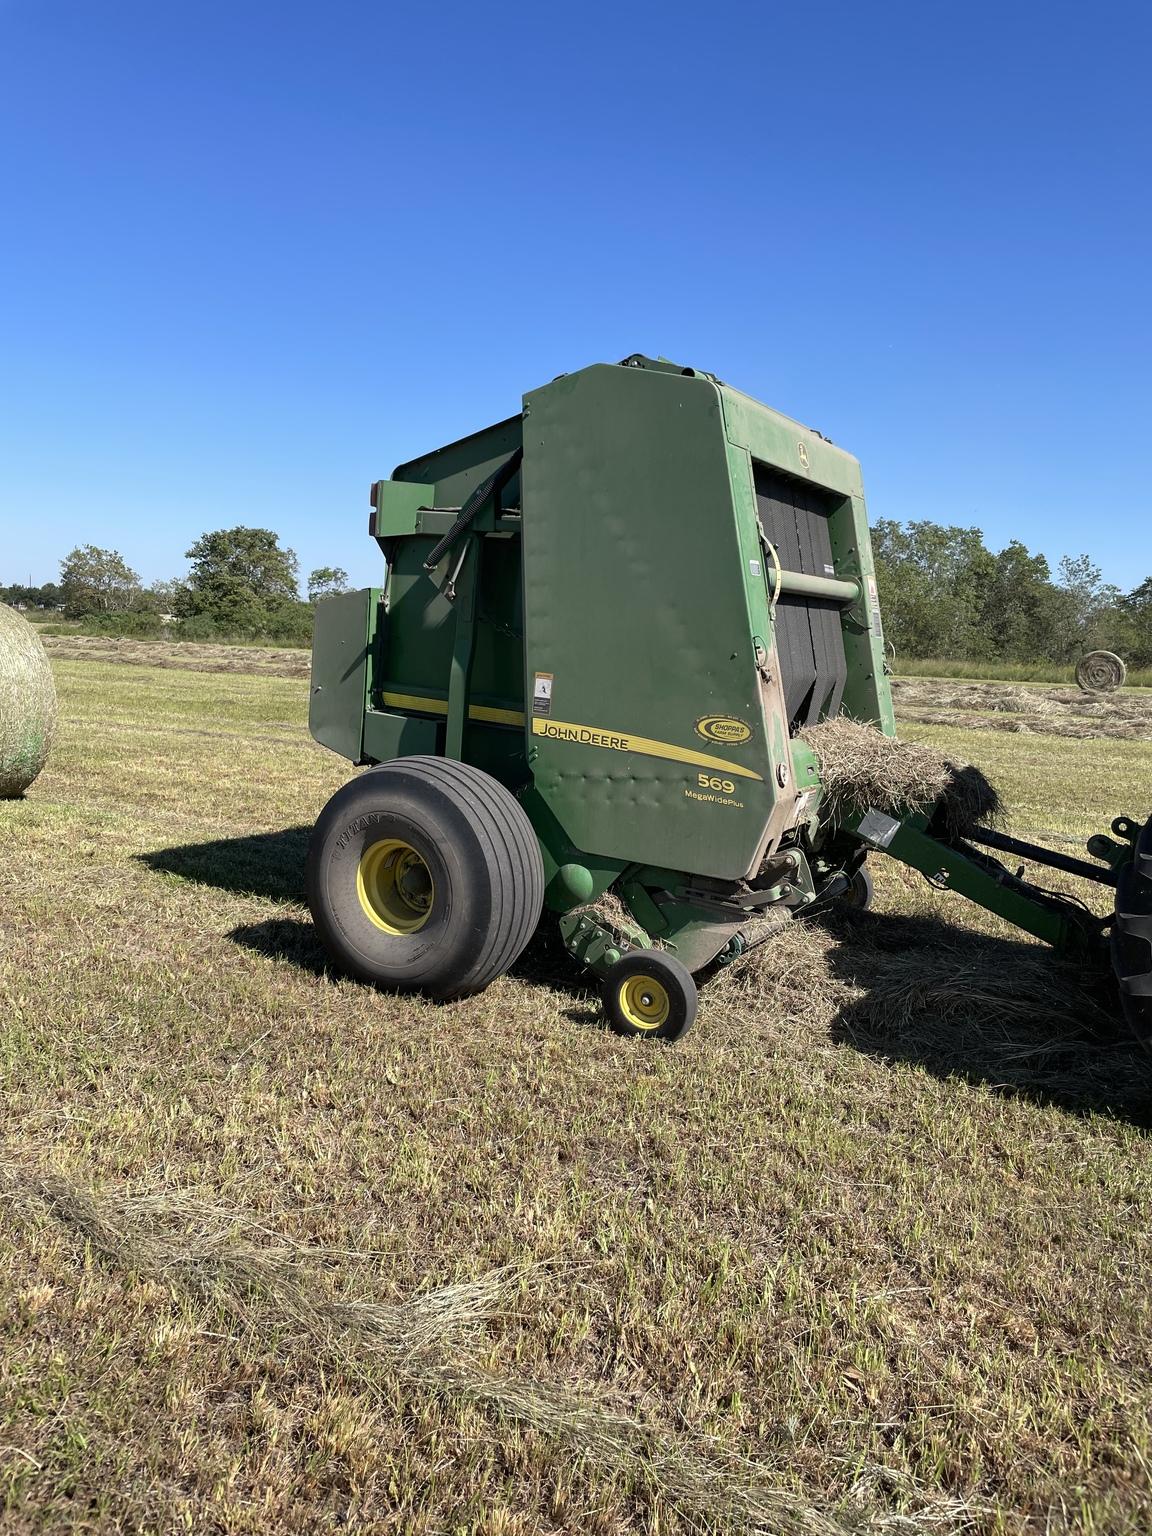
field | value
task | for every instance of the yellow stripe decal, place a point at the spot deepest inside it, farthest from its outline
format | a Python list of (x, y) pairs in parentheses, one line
[(620, 741), (440, 707), (496, 716)]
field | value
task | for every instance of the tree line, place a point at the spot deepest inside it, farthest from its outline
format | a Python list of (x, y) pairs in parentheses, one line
[(945, 596), (241, 583), (943, 593)]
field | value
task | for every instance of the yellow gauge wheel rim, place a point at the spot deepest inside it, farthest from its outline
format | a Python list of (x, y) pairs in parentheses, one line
[(395, 887), (644, 1001)]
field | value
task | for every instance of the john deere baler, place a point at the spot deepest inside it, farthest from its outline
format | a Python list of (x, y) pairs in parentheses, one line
[(602, 625)]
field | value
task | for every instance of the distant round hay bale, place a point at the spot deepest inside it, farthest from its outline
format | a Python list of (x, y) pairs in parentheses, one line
[(27, 704), (1100, 672)]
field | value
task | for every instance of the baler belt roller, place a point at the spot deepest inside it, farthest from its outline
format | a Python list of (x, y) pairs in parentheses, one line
[(830, 587), (802, 584)]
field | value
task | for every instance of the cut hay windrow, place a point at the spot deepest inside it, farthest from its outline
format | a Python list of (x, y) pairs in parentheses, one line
[(211, 1252), (27, 704), (912, 986), (1082, 727), (862, 769)]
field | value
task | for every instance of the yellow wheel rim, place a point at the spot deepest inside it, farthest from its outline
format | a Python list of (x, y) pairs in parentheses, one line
[(644, 1002), (395, 887)]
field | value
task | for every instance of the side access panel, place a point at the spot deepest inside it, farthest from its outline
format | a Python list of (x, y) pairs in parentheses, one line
[(343, 635), (643, 592)]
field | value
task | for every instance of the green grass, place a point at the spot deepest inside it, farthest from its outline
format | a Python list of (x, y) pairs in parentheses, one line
[(858, 1246), (169, 635), (1007, 671)]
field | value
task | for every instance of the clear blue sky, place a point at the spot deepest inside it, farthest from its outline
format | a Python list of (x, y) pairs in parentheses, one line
[(256, 253)]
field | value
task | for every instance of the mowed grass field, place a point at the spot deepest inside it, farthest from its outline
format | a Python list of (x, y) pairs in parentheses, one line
[(868, 1251)]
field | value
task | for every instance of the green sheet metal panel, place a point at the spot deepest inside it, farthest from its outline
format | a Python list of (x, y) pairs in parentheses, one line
[(416, 661), (788, 445), (422, 628), (643, 593), (344, 632), (389, 734), (458, 468)]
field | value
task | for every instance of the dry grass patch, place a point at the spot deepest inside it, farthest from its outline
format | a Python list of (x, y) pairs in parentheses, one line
[(870, 1246), (183, 655)]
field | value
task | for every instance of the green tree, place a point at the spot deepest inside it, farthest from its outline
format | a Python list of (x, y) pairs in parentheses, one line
[(161, 597), (1023, 616), (97, 581), (47, 596), (1093, 604), (931, 580), (241, 580), (1130, 626), (326, 581)]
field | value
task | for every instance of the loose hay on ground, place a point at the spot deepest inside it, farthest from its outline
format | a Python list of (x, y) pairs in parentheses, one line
[(222, 1258), (1008, 707), (1004, 698), (1073, 727), (182, 655), (863, 769), (912, 988)]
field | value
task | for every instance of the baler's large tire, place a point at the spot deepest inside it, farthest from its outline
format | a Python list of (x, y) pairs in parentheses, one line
[(425, 874)]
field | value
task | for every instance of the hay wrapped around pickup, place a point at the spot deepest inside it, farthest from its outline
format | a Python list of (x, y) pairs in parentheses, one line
[(27, 704), (862, 769)]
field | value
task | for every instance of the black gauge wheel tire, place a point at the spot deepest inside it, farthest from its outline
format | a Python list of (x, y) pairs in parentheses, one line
[(650, 995), (858, 897)]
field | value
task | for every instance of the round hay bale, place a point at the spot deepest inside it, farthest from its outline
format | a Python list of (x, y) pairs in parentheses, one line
[(27, 704), (1100, 672)]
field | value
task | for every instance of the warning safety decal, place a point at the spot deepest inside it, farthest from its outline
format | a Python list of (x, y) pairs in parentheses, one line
[(542, 694)]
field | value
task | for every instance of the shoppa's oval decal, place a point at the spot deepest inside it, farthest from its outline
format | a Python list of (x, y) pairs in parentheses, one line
[(723, 728)]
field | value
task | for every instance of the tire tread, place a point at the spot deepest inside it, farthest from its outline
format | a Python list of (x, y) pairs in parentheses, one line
[(511, 854)]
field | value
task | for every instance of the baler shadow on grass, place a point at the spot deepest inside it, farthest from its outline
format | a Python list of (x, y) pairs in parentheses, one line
[(270, 865), (999, 1013), (267, 864), (545, 963), (1002, 1013)]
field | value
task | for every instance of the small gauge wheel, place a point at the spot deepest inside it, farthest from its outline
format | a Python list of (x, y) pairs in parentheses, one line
[(649, 995), (858, 896)]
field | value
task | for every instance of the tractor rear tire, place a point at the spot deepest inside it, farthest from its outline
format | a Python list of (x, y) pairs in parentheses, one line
[(424, 874), (1132, 938), (650, 995)]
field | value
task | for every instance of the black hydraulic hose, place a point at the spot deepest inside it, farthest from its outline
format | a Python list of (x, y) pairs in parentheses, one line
[(493, 485)]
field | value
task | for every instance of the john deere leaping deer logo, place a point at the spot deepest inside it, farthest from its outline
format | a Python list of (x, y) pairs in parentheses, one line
[(723, 728), (803, 452)]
